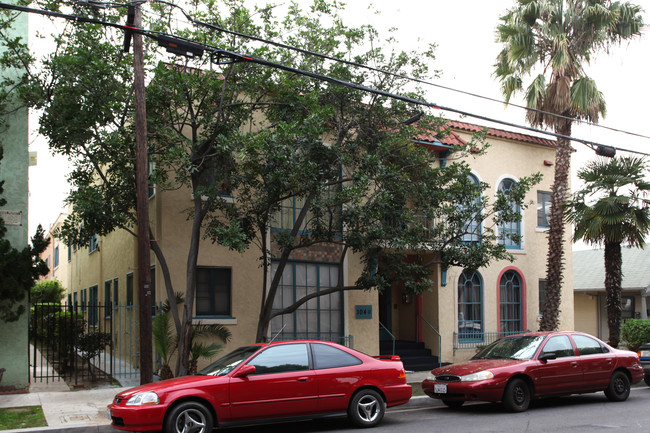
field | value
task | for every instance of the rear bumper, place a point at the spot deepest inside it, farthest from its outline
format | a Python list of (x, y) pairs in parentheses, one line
[(397, 394)]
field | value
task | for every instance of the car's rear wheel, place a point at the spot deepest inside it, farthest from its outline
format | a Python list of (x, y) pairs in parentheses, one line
[(619, 387), (188, 417), (366, 408), (454, 404), (516, 397)]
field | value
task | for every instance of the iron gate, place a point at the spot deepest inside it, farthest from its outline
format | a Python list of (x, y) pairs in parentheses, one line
[(84, 343)]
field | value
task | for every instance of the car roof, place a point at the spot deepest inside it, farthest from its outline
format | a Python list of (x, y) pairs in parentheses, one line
[(275, 343)]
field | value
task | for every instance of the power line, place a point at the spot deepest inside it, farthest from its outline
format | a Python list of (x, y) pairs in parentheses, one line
[(370, 68), (190, 48)]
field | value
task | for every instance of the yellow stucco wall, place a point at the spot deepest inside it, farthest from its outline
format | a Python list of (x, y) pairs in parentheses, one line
[(507, 159), (116, 258)]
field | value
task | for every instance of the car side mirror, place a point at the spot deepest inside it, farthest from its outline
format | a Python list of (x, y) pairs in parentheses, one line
[(245, 371), (547, 356)]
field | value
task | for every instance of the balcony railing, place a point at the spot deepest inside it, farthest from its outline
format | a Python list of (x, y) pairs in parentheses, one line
[(474, 339)]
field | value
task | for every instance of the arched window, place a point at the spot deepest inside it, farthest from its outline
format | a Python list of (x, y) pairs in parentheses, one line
[(509, 232), (472, 227), (510, 303), (470, 306)]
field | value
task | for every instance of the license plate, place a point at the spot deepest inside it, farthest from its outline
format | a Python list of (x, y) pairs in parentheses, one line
[(440, 388), (108, 412), (645, 354)]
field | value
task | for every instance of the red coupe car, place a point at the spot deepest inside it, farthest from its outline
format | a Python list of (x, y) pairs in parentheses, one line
[(267, 382), (516, 369)]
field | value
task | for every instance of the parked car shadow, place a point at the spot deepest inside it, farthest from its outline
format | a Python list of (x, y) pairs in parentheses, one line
[(540, 403)]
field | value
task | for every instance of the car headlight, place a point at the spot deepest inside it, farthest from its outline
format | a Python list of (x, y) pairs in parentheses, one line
[(481, 375), (143, 399), (431, 376)]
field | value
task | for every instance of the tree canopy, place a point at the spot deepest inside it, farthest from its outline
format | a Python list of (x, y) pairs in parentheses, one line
[(265, 150)]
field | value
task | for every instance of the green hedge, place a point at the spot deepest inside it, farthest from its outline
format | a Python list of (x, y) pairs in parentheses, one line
[(636, 332)]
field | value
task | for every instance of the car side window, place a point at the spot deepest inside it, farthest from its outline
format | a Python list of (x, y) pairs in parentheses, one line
[(281, 359), (326, 356), (588, 346), (560, 345)]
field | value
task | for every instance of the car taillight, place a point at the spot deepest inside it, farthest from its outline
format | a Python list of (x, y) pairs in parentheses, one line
[(402, 374)]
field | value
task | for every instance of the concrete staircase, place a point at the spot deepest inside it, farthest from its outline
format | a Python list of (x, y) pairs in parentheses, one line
[(414, 356)]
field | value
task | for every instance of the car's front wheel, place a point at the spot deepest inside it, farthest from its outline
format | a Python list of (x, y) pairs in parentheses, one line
[(188, 417), (619, 387), (516, 397), (366, 408), (647, 380)]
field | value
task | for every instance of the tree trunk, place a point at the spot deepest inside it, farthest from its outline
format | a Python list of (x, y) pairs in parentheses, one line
[(185, 338), (613, 278), (555, 254)]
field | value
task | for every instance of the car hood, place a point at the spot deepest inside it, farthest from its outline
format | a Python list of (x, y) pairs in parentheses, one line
[(171, 384), (475, 366)]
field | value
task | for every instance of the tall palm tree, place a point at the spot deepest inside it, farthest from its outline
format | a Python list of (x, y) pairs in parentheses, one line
[(620, 214), (551, 41)]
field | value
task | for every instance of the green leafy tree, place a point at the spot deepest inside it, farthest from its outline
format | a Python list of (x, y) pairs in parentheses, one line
[(233, 131), (47, 291), (552, 41), (19, 269), (612, 209)]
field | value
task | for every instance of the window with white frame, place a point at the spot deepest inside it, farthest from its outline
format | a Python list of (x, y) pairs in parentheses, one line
[(543, 208)]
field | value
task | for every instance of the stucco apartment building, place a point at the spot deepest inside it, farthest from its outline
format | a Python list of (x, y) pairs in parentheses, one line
[(57, 254), (463, 309)]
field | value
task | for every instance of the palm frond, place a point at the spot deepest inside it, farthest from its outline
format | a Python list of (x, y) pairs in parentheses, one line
[(587, 102), (163, 337), (213, 330)]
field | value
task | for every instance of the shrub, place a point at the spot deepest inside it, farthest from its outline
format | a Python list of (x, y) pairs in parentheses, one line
[(636, 332), (47, 291)]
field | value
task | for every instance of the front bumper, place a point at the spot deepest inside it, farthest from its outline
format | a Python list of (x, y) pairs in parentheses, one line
[(482, 390), (137, 418)]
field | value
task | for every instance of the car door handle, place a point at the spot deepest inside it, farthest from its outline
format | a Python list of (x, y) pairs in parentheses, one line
[(574, 364), (303, 379)]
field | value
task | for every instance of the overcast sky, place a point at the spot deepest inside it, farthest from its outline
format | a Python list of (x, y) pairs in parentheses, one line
[(464, 32)]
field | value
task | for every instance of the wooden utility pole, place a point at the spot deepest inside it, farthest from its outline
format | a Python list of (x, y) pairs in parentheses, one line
[(142, 206)]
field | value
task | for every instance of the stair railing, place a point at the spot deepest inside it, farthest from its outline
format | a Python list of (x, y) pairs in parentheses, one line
[(437, 333), (391, 336)]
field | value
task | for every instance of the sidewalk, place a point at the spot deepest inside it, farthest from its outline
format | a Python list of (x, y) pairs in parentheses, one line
[(66, 410)]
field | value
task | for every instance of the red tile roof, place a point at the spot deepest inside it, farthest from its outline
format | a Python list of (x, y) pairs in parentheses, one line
[(453, 139), (500, 133)]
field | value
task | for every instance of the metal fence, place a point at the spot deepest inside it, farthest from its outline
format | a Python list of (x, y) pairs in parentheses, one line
[(84, 342), (476, 339)]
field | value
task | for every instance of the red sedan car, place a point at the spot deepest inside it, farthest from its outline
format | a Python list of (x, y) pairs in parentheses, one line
[(266, 382), (516, 369)]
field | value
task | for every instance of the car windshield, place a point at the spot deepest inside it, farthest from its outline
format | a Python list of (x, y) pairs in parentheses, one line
[(229, 362), (519, 347)]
